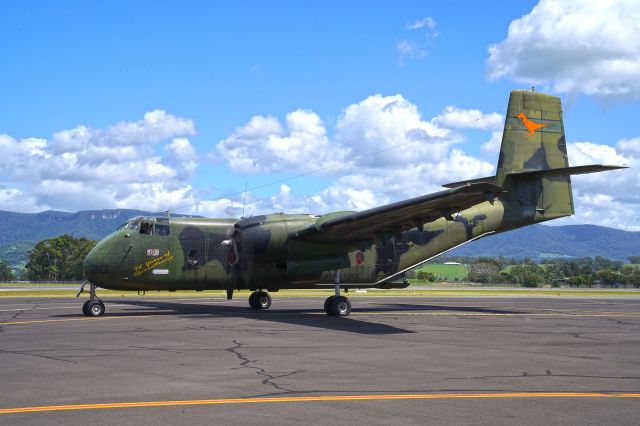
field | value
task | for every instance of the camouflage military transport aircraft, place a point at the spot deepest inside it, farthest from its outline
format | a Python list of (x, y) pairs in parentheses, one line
[(343, 250)]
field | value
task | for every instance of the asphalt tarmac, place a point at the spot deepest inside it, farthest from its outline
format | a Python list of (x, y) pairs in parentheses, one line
[(410, 360)]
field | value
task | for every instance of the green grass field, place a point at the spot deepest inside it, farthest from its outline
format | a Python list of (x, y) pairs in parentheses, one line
[(446, 272)]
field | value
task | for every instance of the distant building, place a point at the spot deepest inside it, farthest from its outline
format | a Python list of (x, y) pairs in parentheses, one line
[(452, 263)]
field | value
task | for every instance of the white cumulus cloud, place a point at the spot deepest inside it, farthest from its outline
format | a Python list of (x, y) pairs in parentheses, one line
[(454, 117), (114, 167), (265, 145), (574, 46)]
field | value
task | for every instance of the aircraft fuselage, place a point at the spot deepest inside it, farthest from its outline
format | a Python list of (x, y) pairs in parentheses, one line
[(262, 253)]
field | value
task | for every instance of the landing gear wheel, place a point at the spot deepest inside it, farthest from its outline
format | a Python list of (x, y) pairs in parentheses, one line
[(339, 306), (252, 299), (327, 303), (260, 300), (94, 308)]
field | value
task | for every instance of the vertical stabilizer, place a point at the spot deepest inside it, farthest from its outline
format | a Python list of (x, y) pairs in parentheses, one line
[(533, 140)]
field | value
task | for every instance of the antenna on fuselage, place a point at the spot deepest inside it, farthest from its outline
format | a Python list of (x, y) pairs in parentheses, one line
[(244, 201)]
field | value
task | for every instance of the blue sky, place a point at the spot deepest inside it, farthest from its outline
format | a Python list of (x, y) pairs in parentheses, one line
[(67, 65)]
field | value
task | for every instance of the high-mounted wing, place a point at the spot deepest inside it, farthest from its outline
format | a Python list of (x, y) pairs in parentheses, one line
[(396, 217)]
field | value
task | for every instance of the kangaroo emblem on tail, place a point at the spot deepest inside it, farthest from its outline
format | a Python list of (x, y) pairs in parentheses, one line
[(530, 125)]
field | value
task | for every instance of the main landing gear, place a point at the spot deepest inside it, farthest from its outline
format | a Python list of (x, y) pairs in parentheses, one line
[(337, 306), (260, 300), (94, 306)]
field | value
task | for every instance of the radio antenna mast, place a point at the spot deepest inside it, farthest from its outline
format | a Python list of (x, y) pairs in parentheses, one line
[(244, 201)]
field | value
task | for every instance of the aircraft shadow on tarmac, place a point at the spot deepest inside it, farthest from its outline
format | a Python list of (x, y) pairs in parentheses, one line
[(391, 307), (306, 317)]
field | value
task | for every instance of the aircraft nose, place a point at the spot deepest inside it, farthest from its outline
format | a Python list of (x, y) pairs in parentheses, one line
[(88, 266)]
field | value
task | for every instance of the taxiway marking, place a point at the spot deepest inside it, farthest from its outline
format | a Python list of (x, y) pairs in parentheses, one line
[(390, 397), (72, 319)]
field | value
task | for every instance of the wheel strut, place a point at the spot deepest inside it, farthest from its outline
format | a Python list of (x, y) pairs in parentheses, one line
[(94, 307), (337, 306)]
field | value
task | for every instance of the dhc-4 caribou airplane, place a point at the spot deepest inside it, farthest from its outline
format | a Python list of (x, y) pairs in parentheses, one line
[(345, 250)]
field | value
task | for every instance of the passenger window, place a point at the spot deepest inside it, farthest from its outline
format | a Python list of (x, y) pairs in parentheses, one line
[(162, 229), (146, 228)]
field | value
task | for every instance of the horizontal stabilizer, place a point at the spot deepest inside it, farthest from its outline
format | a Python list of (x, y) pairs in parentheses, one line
[(563, 171), (535, 174)]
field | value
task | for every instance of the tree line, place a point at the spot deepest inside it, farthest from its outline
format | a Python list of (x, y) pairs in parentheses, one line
[(53, 259), (581, 272)]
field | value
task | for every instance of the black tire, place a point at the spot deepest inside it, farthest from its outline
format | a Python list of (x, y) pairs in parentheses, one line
[(85, 309), (252, 300), (327, 304), (263, 300), (260, 300), (340, 306), (95, 308)]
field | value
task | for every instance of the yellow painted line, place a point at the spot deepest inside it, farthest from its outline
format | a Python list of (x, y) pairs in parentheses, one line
[(333, 398), (73, 319)]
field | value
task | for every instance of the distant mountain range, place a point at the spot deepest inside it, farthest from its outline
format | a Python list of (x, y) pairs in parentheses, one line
[(544, 241), (19, 232)]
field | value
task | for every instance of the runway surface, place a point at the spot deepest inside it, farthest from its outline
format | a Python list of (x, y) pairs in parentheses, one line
[(408, 360)]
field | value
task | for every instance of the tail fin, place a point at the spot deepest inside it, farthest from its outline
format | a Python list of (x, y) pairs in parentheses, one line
[(534, 141), (533, 168)]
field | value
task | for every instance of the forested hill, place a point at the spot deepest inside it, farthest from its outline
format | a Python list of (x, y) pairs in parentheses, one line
[(93, 224), (540, 241)]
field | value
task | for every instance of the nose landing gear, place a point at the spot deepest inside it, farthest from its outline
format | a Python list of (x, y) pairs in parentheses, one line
[(94, 306)]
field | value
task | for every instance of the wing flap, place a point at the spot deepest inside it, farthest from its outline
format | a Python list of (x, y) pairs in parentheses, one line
[(396, 217)]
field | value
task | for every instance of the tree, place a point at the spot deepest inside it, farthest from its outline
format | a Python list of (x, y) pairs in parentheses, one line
[(425, 276), (6, 274), (484, 271), (610, 278), (532, 279), (634, 259), (58, 258), (526, 275), (634, 278), (581, 280)]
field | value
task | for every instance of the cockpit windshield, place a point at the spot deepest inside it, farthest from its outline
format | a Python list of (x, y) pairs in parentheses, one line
[(148, 226), (130, 225)]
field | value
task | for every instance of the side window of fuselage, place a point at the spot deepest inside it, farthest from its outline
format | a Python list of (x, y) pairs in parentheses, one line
[(161, 229)]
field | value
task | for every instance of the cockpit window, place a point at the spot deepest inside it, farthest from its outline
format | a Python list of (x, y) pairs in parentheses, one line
[(149, 228), (161, 229), (146, 228), (133, 226)]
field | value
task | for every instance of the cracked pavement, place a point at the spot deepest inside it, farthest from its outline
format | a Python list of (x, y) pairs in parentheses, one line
[(152, 349)]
